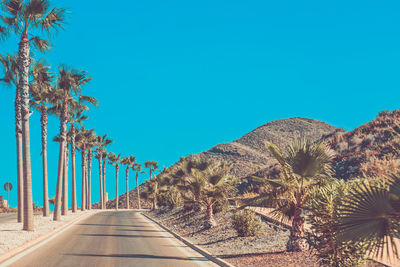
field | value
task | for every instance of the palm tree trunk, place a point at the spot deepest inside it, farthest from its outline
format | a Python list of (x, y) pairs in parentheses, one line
[(83, 203), (20, 168), (101, 183), (117, 171), (87, 185), (89, 200), (74, 205), (127, 187), (65, 183), (104, 182), (155, 206), (23, 69), (44, 122), (61, 156), (296, 239), (210, 216), (138, 190)]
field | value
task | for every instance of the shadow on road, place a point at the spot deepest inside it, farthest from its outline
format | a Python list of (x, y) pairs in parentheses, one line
[(139, 230), (139, 256), (130, 236), (107, 225)]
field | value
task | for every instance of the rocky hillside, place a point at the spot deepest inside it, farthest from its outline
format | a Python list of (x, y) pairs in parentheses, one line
[(248, 153), (370, 150)]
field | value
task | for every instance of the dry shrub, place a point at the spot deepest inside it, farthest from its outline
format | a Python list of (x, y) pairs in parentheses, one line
[(356, 140), (246, 223), (376, 167)]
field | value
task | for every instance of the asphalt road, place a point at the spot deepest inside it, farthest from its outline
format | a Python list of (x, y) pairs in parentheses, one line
[(114, 238)]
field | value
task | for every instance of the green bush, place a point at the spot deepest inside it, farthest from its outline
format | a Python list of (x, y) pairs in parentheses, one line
[(246, 223)]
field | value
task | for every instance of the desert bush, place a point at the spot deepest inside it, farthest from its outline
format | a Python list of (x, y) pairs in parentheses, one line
[(342, 147), (383, 113), (324, 217), (246, 223), (220, 207), (356, 140)]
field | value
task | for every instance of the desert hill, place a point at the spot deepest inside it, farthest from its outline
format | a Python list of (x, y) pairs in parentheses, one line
[(370, 150), (248, 153)]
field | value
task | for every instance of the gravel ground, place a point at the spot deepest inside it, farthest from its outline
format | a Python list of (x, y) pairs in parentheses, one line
[(268, 249), (11, 235), (221, 240)]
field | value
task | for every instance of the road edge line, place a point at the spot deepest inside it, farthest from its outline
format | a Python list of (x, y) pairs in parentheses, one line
[(196, 248), (42, 239)]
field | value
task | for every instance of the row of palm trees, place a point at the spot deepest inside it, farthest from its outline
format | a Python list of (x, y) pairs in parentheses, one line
[(61, 95)]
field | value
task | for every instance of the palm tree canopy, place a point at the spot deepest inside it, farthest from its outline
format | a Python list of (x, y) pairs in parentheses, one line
[(21, 16), (114, 159), (151, 164)]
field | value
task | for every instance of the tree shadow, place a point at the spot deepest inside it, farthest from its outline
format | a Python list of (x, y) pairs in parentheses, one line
[(217, 241), (118, 225), (140, 230), (129, 236), (138, 256)]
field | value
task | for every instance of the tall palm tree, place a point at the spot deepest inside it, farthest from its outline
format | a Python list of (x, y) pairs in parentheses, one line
[(305, 167), (76, 116), (138, 169), (105, 142), (9, 63), (98, 156), (115, 160), (92, 142), (82, 140), (42, 94), (25, 17), (128, 161), (370, 214), (69, 83)]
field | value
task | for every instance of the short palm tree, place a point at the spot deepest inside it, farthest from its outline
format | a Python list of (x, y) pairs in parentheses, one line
[(208, 187), (371, 214), (152, 165), (25, 17), (115, 160), (128, 161), (151, 192), (305, 167), (9, 63), (138, 169), (42, 94)]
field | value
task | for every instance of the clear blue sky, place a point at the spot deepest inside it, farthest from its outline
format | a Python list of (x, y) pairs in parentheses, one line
[(177, 77)]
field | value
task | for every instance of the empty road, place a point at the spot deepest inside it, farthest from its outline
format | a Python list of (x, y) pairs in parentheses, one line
[(114, 238)]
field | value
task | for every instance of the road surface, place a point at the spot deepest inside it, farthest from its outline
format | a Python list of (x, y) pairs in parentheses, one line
[(114, 238)]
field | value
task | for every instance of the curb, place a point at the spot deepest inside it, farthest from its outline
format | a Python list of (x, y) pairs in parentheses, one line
[(17, 250), (202, 251)]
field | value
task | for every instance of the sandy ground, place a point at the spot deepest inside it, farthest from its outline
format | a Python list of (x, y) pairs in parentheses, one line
[(12, 236)]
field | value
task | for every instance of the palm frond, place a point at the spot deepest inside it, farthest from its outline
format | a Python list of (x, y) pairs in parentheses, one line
[(54, 19), (13, 7), (41, 44), (35, 9)]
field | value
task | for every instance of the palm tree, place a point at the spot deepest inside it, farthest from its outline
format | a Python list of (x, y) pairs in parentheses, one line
[(9, 63), (76, 116), (138, 169), (128, 161), (69, 82), (23, 17), (370, 214), (152, 165), (151, 192), (207, 184), (92, 142), (43, 93), (98, 156), (305, 167), (115, 160), (104, 144), (82, 140)]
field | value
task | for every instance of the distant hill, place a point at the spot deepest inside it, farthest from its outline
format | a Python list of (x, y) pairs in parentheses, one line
[(248, 153)]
